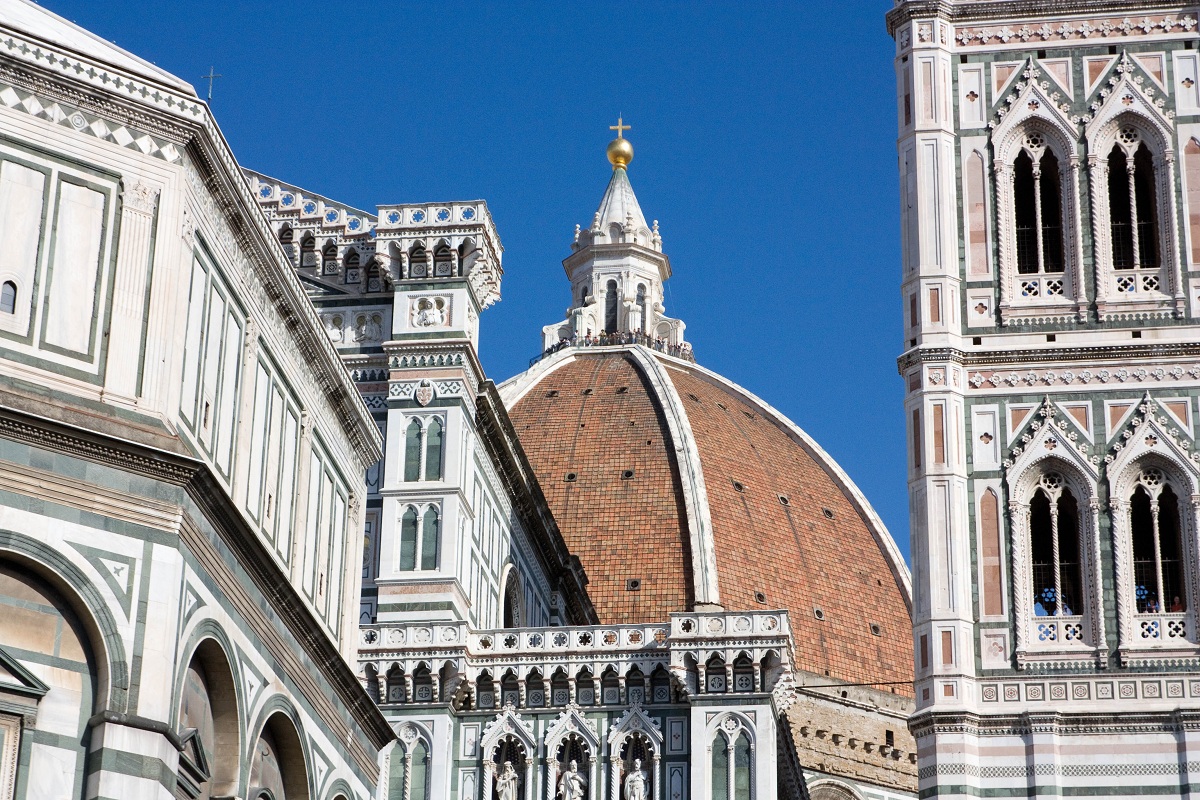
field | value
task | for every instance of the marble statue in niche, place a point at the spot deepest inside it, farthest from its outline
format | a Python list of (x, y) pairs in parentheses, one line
[(573, 784)]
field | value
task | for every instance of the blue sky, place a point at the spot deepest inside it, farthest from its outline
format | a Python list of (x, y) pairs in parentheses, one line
[(765, 146)]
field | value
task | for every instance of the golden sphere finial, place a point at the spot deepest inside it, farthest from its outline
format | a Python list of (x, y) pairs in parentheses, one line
[(620, 151)]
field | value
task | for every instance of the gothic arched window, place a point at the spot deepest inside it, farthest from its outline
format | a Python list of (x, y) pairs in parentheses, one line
[(1133, 219), (308, 251), (433, 450), (412, 451), (408, 778), (512, 601), (1154, 517), (418, 264), (429, 539), (8, 298), (1054, 549), (1037, 207), (732, 763), (443, 262), (408, 540), (610, 308)]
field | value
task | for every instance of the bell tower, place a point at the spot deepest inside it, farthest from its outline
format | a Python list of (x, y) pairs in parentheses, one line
[(617, 268), (1049, 161)]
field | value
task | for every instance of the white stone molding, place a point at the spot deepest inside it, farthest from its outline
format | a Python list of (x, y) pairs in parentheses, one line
[(695, 494), (1050, 446), (1126, 115), (1033, 119), (1075, 30), (571, 722), (1149, 439), (635, 722)]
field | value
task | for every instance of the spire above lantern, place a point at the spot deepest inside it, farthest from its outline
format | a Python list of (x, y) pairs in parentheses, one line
[(620, 151)]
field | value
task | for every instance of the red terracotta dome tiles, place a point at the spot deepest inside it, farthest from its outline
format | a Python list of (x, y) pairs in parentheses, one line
[(796, 554), (601, 424)]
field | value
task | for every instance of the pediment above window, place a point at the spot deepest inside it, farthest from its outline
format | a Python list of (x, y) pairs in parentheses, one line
[(1049, 434), (1037, 99), (20, 690), (1150, 430), (1128, 89)]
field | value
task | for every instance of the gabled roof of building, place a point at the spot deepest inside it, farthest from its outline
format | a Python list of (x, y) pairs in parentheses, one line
[(32, 20)]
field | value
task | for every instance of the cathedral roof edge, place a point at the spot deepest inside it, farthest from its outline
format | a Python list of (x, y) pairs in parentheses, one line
[(29, 19), (1007, 10)]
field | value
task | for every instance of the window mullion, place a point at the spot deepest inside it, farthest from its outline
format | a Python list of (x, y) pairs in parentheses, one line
[(408, 763), (1158, 570), (731, 772), (1057, 566), (1131, 168), (1037, 211)]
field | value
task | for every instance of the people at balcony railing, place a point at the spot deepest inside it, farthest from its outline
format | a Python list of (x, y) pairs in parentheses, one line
[(658, 343)]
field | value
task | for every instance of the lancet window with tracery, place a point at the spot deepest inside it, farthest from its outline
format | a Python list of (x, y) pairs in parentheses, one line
[(1055, 599), (1131, 175), (1037, 207), (1133, 215), (1036, 213), (1054, 549), (1153, 523), (424, 449), (1157, 548), (420, 539)]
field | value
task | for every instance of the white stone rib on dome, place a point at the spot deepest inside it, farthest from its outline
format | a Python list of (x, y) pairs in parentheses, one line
[(30, 19)]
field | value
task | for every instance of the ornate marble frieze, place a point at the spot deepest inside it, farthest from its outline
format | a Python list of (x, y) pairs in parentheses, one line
[(1101, 28), (1084, 375)]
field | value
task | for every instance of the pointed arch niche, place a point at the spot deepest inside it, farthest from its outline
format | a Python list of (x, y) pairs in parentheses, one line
[(1154, 487), (571, 738), (635, 744), (1131, 173), (509, 750), (1054, 511), (1036, 167)]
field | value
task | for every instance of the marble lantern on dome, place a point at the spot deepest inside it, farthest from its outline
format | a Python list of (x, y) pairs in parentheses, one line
[(617, 269)]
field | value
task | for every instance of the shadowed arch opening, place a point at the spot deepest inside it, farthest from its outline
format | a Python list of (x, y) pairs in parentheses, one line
[(46, 635), (209, 722), (512, 600), (277, 767)]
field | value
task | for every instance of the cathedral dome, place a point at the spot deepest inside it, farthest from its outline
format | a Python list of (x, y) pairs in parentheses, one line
[(679, 489)]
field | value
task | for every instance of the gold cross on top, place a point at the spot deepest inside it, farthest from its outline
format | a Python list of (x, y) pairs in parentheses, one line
[(619, 128)]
